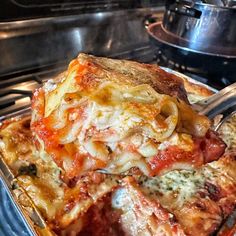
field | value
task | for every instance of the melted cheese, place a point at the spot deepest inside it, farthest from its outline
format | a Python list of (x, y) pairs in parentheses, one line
[(54, 97), (48, 192), (228, 131), (142, 215), (174, 190), (182, 184), (181, 140), (47, 196), (95, 192)]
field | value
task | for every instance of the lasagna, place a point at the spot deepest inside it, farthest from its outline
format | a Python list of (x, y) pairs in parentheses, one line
[(180, 202), (65, 208), (119, 116), (114, 148)]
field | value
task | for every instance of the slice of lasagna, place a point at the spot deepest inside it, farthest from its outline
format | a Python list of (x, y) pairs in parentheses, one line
[(181, 202), (118, 116)]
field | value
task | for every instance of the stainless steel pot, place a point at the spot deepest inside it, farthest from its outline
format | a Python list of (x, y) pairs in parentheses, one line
[(202, 27)]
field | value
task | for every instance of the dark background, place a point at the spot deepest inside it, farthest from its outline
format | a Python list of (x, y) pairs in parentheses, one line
[(11, 10)]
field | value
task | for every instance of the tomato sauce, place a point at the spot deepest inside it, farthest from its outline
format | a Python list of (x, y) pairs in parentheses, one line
[(211, 145), (102, 220), (206, 149), (167, 157)]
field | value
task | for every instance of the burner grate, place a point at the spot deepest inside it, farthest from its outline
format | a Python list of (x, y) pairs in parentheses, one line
[(16, 92)]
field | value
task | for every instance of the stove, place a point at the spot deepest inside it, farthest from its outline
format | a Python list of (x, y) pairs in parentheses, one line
[(36, 50), (16, 91)]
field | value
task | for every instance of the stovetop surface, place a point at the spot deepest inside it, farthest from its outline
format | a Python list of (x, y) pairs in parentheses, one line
[(16, 91)]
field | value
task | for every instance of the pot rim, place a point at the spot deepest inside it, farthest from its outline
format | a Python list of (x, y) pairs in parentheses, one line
[(214, 6), (182, 47)]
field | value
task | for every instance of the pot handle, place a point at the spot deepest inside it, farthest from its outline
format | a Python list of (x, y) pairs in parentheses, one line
[(149, 19), (185, 10)]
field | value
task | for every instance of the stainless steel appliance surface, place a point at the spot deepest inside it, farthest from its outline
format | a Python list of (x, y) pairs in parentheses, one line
[(34, 43), (203, 28)]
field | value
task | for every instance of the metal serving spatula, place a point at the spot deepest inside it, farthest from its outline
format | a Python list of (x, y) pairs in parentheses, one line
[(222, 102)]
